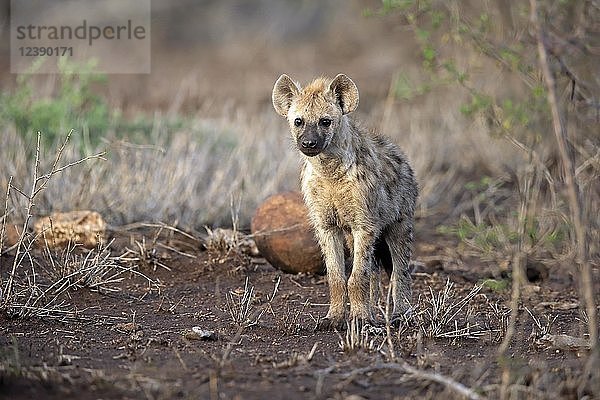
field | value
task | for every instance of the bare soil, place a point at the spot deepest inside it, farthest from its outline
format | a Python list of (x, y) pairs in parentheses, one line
[(133, 343)]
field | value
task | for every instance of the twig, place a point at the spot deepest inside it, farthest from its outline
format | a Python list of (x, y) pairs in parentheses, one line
[(56, 170), (9, 286), (161, 225), (518, 277), (4, 219), (174, 250)]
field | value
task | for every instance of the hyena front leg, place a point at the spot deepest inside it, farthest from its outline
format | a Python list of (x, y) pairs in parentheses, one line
[(359, 283), (332, 246), (400, 240)]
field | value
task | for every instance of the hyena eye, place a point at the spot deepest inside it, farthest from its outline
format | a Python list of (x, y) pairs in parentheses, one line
[(298, 122), (325, 122)]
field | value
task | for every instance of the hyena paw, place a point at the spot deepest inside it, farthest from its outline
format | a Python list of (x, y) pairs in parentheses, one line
[(331, 323)]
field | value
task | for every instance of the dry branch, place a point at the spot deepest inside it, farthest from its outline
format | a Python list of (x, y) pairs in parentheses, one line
[(4, 223)]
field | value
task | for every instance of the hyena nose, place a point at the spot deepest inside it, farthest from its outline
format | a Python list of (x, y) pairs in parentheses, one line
[(309, 144)]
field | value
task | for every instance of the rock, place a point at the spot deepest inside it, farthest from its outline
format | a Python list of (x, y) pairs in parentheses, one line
[(86, 228), (283, 234)]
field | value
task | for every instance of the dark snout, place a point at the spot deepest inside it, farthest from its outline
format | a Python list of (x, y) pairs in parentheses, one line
[(311, 143)]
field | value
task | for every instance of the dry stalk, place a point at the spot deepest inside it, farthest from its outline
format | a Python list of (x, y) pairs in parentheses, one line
[(251, 317), (159, 225), (242, 311), (148, 257), (500, 316), (388, 324), (43, 296), (9, 286)]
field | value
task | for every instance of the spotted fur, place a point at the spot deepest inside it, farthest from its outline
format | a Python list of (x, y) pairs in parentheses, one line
[(355, 184)]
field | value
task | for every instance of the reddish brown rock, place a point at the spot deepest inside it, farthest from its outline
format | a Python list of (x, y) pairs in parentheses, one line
[(76, 227), (284, 236)]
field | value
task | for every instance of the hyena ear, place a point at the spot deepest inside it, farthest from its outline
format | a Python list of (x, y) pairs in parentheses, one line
[(283, 92), (345, 92)]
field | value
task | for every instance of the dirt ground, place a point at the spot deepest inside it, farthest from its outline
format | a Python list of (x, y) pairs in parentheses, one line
[(137, 343)]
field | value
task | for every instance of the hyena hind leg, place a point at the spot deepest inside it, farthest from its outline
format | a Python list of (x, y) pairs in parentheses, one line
[(400, 241), (374, 284)]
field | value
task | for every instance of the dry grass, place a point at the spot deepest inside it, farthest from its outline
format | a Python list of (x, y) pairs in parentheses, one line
[(445, 314), (291, 319), (43, 289), (186, 178), (242, 307), (190, 176)]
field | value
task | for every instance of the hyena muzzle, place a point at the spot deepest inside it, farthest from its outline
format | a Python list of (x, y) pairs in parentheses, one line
[(357, 186)]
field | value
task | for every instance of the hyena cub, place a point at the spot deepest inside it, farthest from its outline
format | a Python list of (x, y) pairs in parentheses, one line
[(355, 184)]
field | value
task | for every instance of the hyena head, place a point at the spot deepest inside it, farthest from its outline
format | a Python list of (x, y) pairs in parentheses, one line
[(315, 112)]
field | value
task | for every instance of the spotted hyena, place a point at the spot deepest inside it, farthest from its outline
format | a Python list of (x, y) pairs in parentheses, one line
[(357, 185)]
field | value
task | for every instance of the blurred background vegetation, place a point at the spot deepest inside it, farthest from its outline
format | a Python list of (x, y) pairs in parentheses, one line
[(455, 83)]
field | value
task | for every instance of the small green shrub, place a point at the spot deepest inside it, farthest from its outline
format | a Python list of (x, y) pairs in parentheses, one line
[(496, 285), (73, 105)]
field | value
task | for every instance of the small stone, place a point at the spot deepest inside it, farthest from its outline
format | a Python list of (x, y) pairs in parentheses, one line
[(197, 333)]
